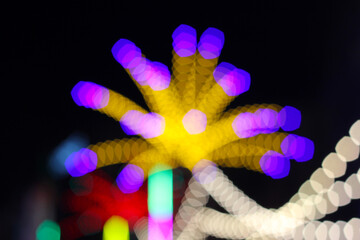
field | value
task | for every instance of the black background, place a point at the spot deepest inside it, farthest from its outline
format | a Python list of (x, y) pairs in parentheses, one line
[(306, 55)]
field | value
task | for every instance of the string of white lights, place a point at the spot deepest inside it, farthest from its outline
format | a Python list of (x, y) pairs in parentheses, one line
[(329, 230), (228, 226), (248, 214), (194, 199), (321, 195), (318, 196), (218, 185), (191, 230)]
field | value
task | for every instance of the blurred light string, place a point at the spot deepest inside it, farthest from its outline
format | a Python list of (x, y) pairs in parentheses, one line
[(194, 199)]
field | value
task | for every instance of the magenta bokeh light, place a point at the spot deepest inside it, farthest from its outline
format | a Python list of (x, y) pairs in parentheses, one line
[(244, 125), (289, 118), (147, 125), (296, 147), (275, 164), (130, 122), (159, 77), (233, 81), (81, 162), (184, 40), (265, 121), (211, 42), (152, 125), (126, 53), (90, 95), (194, 121), (130, 179)]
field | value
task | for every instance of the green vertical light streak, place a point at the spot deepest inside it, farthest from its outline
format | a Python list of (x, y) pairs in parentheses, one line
[(160, 192)]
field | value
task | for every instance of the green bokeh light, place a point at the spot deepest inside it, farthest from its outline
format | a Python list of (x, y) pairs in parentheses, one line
[(48, 230)]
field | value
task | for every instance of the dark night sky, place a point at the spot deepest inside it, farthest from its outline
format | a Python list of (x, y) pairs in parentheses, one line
[(306, 55)]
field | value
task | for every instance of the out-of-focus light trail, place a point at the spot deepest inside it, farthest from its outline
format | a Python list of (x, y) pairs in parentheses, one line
[(160, 203)]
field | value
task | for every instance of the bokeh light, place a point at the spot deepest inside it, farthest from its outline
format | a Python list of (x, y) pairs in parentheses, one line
[(126, 53), (296, 147), (81, 162), (130, 178), (147, 125), (184, 40), (233, 81), (275, 165), (48, 230), (194, 121), (211, 42), (58, 156), (116, 228), (90, 95), (289, 118)]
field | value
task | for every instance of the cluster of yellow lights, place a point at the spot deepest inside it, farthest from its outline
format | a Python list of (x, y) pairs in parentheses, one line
[(189, 105), (182, 143), (192, 88)]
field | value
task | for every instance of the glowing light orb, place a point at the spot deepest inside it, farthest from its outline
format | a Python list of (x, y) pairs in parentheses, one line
[(147, 125), (184, 40), (48, 230), (275, 165), (233, 81), (211, 43), (81, 162), (130, 179), (126, 53), (116, 228), (63, 150), (289, 118), (299, 148), (90, 95), (194, 121)]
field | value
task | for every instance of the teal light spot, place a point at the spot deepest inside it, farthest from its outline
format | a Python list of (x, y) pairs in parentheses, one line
[(48, 230)]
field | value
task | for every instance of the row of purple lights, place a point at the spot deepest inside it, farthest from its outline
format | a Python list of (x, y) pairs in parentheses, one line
[(144, 71), (295, 147), (185, 42), (265, 121)]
